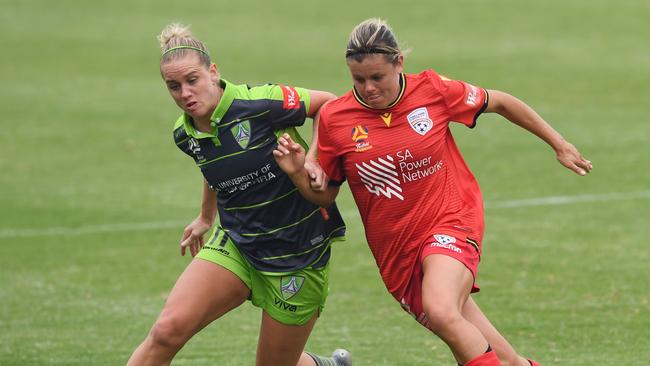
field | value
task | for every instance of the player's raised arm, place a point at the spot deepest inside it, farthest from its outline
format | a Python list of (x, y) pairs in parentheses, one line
[(318, 178), (524, 116), (290, 156)]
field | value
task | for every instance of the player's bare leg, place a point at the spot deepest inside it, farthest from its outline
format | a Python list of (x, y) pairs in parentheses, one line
[(282, 345), (445, 289), (204, 292), (506, 353)]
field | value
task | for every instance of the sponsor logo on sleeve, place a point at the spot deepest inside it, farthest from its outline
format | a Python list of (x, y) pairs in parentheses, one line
[(291, 97), (472, 95), (420, 121)]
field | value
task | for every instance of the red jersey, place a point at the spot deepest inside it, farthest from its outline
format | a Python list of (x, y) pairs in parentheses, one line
[(403, 167)]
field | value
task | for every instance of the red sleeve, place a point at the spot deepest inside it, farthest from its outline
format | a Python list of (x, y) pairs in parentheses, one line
[(465, 102), (328, 158)]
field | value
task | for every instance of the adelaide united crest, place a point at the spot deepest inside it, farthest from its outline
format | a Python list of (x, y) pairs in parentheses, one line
[(420, 121)]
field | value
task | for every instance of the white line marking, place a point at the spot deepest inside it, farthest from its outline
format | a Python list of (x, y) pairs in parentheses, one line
[(567, 200), (158, 225), (91, 229)]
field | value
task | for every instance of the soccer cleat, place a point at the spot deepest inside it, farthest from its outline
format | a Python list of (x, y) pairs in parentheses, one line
[(533, 363), (342, 357)]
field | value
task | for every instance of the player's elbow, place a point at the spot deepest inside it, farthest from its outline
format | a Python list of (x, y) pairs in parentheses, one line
[(500, 102)]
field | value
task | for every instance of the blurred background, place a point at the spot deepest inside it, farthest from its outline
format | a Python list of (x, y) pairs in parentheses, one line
[(94, 194)]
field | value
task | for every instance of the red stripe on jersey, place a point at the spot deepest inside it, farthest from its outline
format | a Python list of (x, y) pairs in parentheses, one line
[(291, 97)]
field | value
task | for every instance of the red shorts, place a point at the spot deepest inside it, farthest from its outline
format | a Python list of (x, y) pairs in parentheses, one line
[(453, 243)]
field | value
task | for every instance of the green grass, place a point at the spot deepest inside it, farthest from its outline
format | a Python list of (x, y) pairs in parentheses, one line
[(86, 141)]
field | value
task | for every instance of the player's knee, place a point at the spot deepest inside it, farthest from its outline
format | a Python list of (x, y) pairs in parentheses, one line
[(168, 333), (442, 318)]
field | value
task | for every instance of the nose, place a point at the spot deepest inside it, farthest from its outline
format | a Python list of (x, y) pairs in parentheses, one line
[(369, 87), (185, 92)]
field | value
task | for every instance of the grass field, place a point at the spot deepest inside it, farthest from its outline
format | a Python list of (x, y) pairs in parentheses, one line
[(94, 195)]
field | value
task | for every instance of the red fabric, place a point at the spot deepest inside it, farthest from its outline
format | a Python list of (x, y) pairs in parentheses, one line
[(486, 359), (533, 363), (291, 99), (407, 176)]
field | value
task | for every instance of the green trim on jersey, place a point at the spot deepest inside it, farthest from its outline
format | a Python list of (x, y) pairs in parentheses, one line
[(283, 227), (329, 240), (262, 203), (262, 144)]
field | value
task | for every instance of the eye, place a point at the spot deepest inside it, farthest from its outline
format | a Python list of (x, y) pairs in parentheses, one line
[(377, 77), (173, 86), (191, 81)]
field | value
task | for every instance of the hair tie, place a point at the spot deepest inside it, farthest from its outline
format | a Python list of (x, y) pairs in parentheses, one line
[(188, 47), (368, 51)]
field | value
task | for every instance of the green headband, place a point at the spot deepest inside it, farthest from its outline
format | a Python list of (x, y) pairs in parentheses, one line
[(188, 47)]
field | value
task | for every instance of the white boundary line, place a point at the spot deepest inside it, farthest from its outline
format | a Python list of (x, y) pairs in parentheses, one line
[(567, 200), (158, 225), (90, 229)]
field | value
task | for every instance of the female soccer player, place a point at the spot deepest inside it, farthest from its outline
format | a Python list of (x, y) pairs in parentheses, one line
[(421, 206), (257, 252)]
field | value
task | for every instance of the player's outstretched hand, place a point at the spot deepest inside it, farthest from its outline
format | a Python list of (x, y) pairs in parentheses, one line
[(289, 155), (193, 236), (571, 158)]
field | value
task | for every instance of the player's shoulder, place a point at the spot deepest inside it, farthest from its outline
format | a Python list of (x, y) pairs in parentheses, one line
[(246, 91), (180, 121), (345, 101), (429, 77), (291, 97)]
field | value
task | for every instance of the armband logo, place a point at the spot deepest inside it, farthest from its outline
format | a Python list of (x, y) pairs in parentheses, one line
[(291, 98)]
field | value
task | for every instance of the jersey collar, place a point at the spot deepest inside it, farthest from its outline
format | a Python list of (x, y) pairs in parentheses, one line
[(402, 84), (224, 103), (227, 97)]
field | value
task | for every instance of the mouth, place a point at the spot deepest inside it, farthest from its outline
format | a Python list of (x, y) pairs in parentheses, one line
[(372, 97), (191, 105)]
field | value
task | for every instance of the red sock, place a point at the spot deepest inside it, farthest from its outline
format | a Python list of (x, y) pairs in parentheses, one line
[(487, 359)]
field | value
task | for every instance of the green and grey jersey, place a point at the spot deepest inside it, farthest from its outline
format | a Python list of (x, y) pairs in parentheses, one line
[(260, 209)]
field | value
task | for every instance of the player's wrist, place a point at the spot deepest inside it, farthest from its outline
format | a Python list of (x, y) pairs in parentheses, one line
[(205, 219), (299, 175)]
